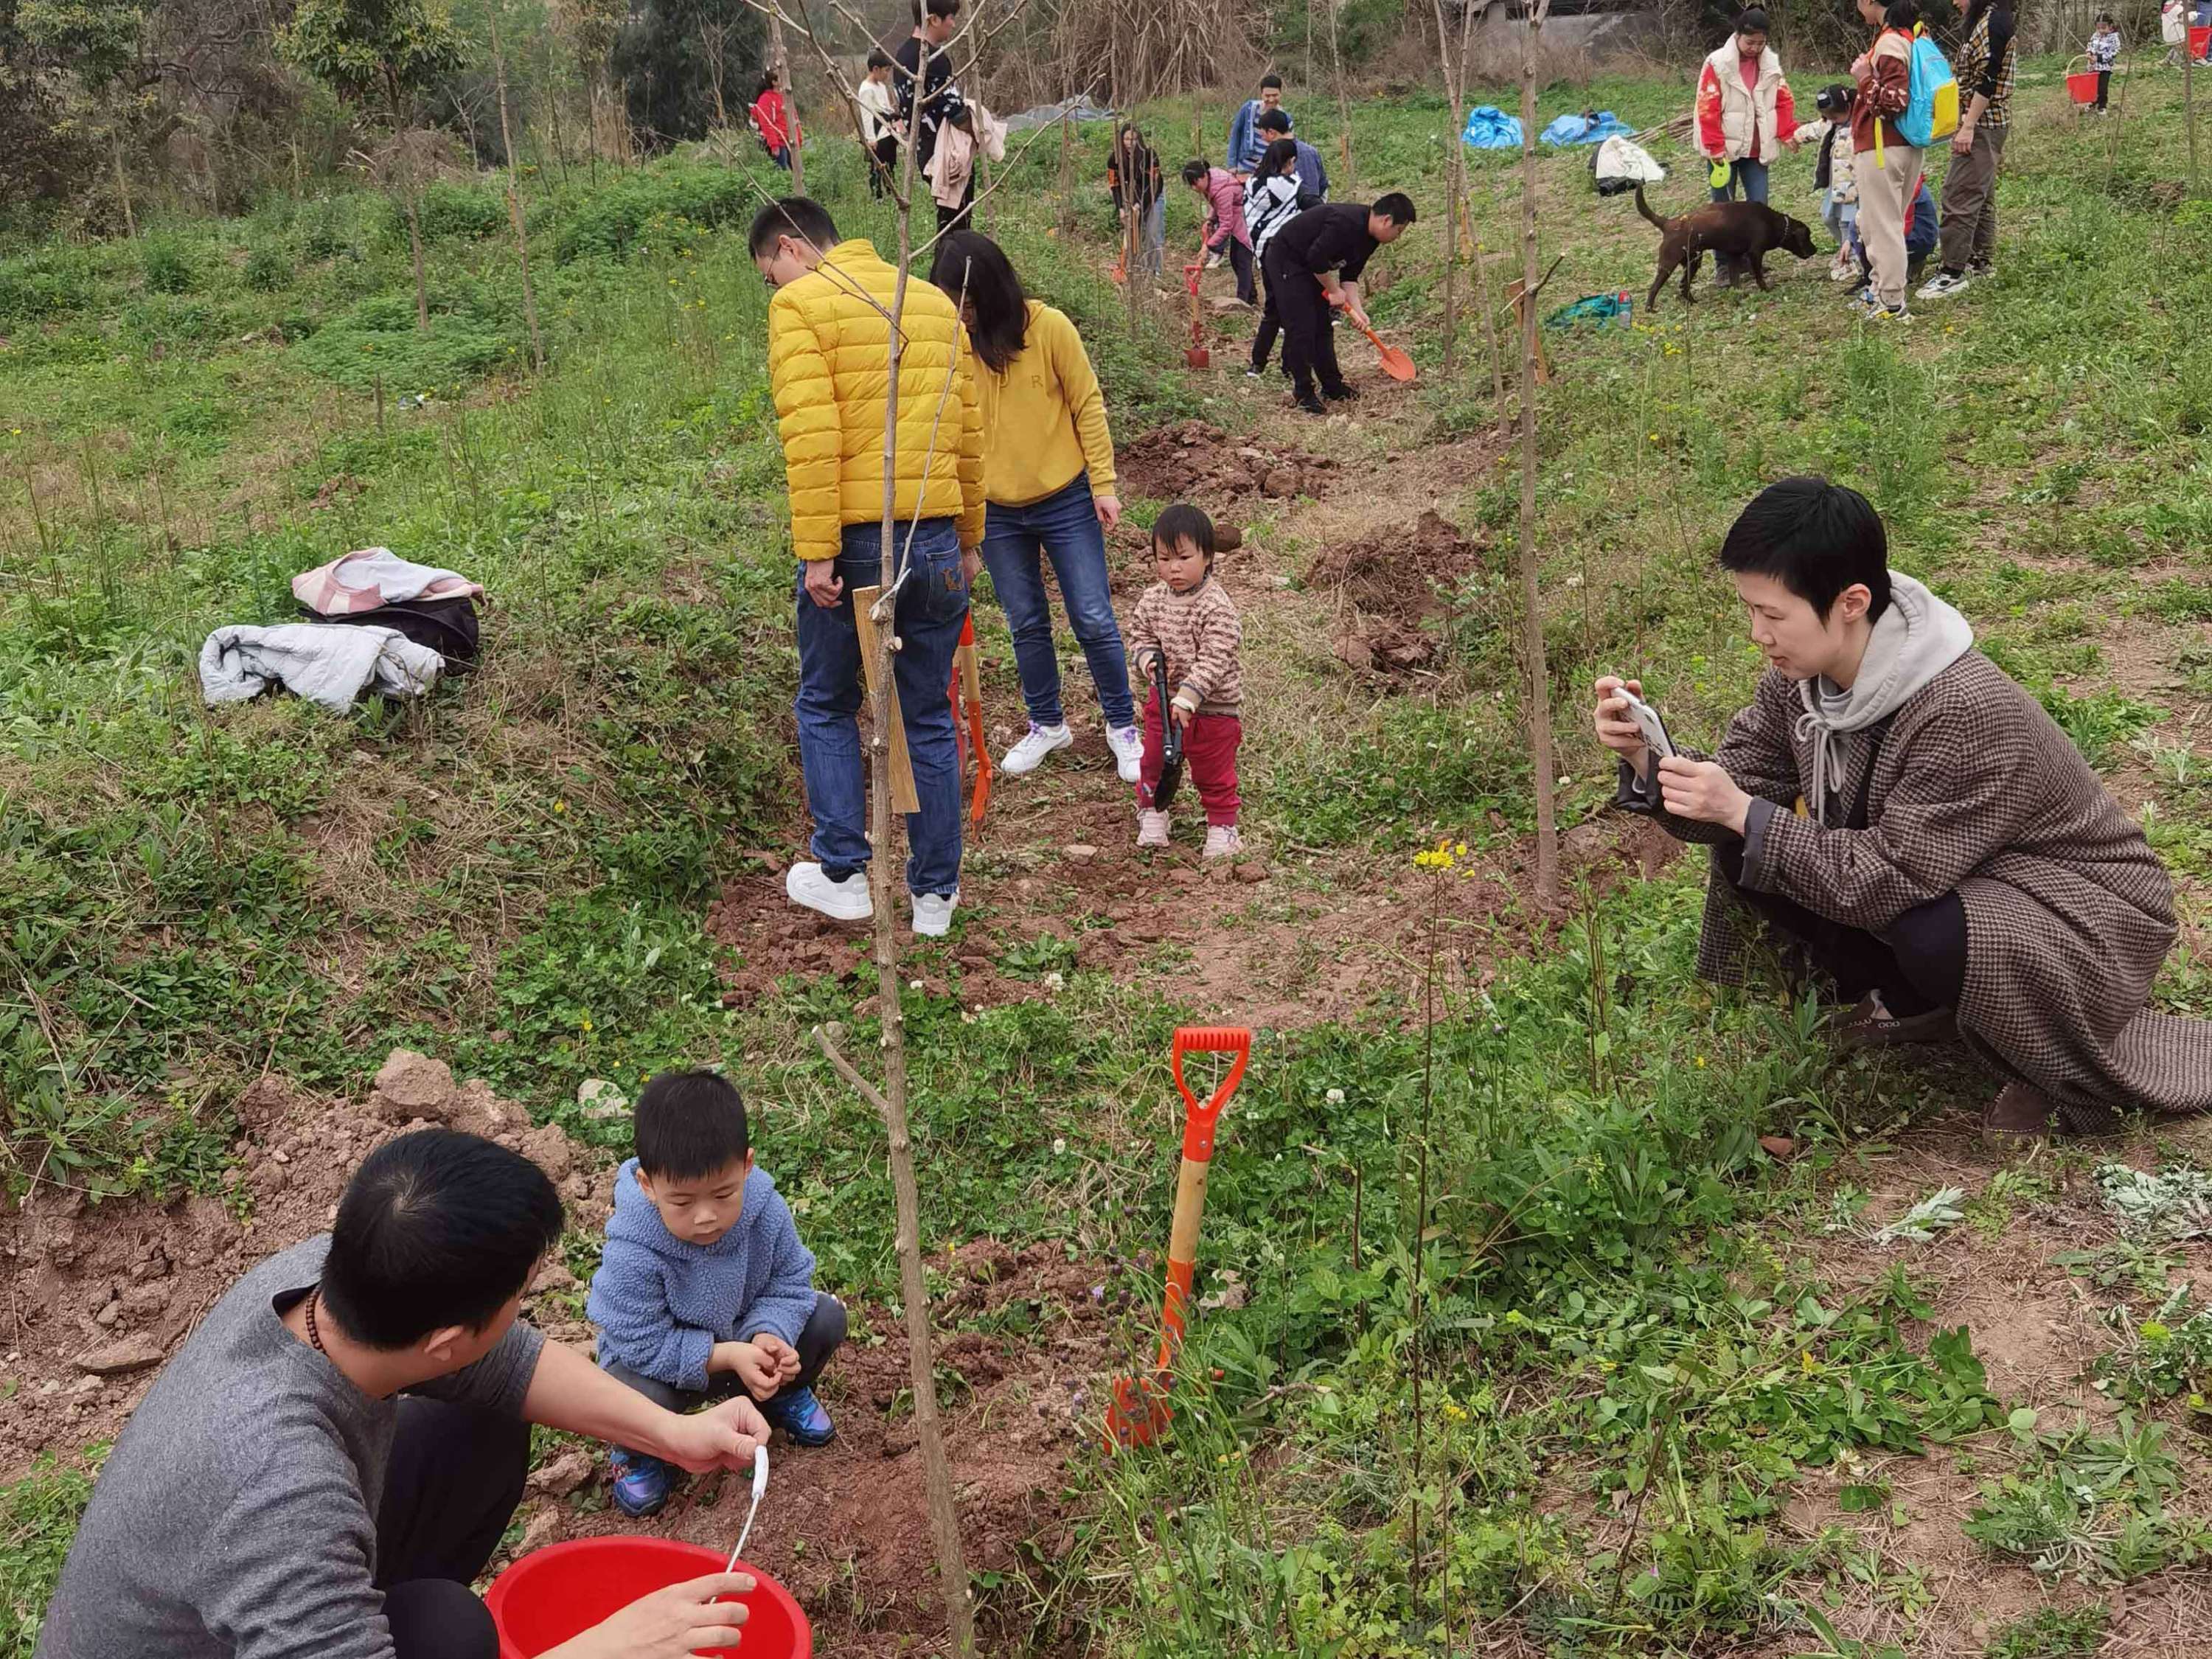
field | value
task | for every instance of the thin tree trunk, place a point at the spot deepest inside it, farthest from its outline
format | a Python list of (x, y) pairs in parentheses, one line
[(914, 1289), (414, 205), (2189, 93), (1532, 615), (782, 66), (122, 187), (1343, 104), (514, 197), (1067, 175), (1454, 87)]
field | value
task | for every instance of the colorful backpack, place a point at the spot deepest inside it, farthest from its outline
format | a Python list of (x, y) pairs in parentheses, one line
[(1932, 110)]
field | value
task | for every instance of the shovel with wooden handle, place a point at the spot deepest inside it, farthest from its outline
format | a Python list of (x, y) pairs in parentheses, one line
[(967, 694), (1138, 1413)]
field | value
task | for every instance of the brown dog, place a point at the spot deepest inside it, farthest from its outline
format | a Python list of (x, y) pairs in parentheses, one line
[(1730, 230)]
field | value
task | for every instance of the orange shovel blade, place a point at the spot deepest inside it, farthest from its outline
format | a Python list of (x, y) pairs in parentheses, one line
[(1395, 363)]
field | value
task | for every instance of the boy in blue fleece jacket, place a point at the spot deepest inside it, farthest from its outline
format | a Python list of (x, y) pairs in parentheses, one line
[(703, 1287)]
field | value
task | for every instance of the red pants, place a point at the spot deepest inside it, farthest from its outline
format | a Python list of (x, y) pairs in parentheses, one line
[(1209, 753)]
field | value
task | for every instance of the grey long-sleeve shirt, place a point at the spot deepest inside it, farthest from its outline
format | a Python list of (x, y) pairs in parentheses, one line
[(236, 1517)]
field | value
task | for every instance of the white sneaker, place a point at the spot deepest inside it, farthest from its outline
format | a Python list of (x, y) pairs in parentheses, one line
[(932, 914), (1128, 744), (1214, 262), (1029, 754), (841, 901), (1151, 829), (1222, 841), (1942, 286), (1844, 270)]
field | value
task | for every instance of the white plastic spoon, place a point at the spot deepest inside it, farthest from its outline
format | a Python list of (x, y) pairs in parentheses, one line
[(760, 1488)]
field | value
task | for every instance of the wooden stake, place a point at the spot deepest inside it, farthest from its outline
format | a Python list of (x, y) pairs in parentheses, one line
[(782, 64), (1532, 372), (904, 798)]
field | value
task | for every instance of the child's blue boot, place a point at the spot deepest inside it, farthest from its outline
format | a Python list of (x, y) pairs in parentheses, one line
[(640, 1484), (800, 1414)]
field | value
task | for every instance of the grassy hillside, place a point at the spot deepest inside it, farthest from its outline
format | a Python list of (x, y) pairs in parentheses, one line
[(1658, 1386)]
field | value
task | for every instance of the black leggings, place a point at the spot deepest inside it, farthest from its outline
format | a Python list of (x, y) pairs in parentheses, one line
[(1271, 325), (455, 1477), (1919, 963)]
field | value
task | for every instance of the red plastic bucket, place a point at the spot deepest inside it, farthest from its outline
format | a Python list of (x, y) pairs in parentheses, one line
[(2198, 39), (2081, 86), (553, 1595)]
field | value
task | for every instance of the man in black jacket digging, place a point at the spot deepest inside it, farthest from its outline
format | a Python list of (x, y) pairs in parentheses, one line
[(1315, 261)]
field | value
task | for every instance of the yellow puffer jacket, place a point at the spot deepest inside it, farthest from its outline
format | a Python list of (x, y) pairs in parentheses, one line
[(828, 364)]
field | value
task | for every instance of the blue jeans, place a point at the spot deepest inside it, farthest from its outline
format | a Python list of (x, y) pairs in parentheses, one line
[(1063, 527), (1750, 175), (931, 609)]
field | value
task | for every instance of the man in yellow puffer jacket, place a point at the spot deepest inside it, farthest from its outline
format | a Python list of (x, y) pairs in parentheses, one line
[(828, 354)]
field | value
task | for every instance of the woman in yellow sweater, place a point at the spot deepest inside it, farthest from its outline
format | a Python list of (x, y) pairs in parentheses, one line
[(1048, 476)]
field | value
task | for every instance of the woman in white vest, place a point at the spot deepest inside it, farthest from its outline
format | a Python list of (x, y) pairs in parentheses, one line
[(1745, 115)]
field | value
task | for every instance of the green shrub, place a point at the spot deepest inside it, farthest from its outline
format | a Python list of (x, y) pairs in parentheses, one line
[(168, 269), (376, 338), (267, 271), (48, 283), (453, 209), (614, 220)]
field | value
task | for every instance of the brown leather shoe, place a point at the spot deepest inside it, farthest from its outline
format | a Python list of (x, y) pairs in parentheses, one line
[(1867, 1024), (2020, 1116)]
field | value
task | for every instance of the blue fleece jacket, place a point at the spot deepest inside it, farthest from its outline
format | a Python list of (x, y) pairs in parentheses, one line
[(1244, 146), (661, 1302)]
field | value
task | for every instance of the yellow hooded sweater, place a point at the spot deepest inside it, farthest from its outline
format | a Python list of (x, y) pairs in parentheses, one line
[(829, 365), (1044, 418)]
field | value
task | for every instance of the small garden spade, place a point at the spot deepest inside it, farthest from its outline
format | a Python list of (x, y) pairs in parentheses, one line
[(1140, 1411)]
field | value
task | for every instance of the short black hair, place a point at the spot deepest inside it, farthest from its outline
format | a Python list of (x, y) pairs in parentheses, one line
[(1834, 99), (1900, 14), (688, 1125), (1271, 79), (793, 216), (1814, 538), (1397, 207), (1274, 120), (436, 1228), (1751, 21), (935, 8), (1184, 522), (879, 58), (1193, 171)]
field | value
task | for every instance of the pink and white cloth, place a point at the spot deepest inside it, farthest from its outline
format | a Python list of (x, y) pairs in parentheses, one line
[(369, 577)]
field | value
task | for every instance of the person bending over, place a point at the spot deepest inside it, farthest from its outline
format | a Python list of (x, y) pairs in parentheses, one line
[(1315, 261), (330, 1459), (1912, 818), (704, 1289)]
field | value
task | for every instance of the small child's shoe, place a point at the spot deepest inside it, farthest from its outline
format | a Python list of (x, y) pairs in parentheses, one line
[(641, 1483), (1222, 841), (800, 1416), (1151, 829)]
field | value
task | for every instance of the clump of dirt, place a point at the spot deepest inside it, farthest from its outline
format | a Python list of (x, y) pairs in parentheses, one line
[(98, 1295), (1193, 462), (768, 937), (846, 1528), (1389, 587)]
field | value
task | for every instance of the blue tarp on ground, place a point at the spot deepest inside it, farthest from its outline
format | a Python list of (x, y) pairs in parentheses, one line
[(1489, 127), (1589, 128)]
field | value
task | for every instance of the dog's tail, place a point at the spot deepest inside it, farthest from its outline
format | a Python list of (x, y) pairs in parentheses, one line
[(1645, 208)]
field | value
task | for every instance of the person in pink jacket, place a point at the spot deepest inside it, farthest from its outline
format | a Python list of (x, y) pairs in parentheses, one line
[(1224, 230)]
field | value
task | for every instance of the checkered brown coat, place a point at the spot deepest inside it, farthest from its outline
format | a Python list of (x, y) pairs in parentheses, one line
[(2068, 913)]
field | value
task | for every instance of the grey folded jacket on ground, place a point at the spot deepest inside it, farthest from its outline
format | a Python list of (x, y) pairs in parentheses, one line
[(328, 666)]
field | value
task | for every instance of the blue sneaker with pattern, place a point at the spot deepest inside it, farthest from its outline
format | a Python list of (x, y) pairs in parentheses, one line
[(641, 1483), (799, 1415)]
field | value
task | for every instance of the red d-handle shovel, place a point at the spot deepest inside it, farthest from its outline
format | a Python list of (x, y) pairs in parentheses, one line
[(1139, 1413)]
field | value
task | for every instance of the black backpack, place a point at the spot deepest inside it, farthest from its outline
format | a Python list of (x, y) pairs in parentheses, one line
[(448, 627)]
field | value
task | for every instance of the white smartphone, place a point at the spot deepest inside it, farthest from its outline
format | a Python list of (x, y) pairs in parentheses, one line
[(1648, 723)]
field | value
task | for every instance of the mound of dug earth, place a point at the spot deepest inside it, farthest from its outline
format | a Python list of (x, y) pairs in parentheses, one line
[(846, 1528), (1390, 587), (1193, 462)]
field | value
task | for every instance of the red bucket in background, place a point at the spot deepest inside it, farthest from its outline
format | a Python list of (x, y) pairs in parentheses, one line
[(2199, 40), (553, 1595), (2081, 86)]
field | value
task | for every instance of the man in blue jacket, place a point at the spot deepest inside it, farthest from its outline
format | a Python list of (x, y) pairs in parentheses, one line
[(1245, 143), (1313, 177)]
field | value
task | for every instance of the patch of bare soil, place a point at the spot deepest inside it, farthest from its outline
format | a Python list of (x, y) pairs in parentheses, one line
[(97, 1296), (846, 1528), (1390, 587), (1193, 462)]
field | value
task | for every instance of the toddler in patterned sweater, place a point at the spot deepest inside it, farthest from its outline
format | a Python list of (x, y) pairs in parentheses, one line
[(1187, 622)]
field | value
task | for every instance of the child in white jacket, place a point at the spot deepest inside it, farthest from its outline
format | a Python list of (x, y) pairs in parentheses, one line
[(1839, 193)]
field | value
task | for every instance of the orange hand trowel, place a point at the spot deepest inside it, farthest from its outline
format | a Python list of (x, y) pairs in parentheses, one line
[(1139, 1413)]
